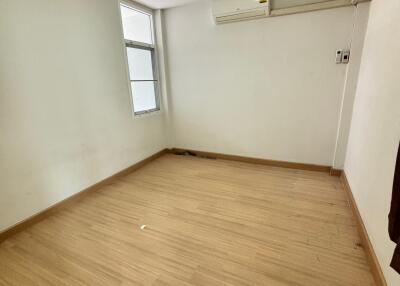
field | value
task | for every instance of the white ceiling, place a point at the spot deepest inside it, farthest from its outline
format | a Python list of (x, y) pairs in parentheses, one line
[(162, 4)]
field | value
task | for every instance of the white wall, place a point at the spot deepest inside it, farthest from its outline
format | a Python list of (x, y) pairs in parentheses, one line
[(65, 114), (375, 129), (266, 88)]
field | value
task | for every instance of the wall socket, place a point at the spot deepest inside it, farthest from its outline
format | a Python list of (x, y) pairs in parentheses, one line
[(342, 56), (345, 56), (339, 54)]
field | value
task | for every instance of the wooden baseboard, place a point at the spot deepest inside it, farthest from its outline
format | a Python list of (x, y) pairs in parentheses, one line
[(336, 172), (365, 241), (282, 164), (75, 198)]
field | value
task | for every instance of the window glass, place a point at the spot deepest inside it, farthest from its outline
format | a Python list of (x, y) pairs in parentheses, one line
[(140, 64), (136, 25), (144, 95)]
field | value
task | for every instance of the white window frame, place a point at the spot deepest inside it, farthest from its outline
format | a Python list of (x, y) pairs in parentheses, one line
[(144, 46)]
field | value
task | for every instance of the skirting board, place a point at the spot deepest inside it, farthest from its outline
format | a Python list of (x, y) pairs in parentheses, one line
[(365, 241), (282, 164), (74, 198), (336, 172)]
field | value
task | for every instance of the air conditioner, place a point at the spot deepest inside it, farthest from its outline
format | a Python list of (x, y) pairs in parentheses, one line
[(226, 11)]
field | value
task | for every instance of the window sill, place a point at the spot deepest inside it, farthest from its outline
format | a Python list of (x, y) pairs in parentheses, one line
[(147, 114)]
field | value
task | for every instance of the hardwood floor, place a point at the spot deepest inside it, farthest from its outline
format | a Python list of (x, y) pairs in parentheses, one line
[(208, 222)]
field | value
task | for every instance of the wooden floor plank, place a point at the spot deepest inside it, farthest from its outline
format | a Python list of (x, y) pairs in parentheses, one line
[(208, 222)]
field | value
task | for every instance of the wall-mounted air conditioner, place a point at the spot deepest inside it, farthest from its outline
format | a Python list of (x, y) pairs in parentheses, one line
[(226, 11)]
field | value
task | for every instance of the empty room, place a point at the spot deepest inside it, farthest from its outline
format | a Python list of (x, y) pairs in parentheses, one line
[(200, 142)]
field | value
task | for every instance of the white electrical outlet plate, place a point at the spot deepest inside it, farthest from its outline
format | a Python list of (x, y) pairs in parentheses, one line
[(339, 54), (345, 56)]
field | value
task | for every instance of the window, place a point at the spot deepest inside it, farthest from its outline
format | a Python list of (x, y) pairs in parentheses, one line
[(140, 49)]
